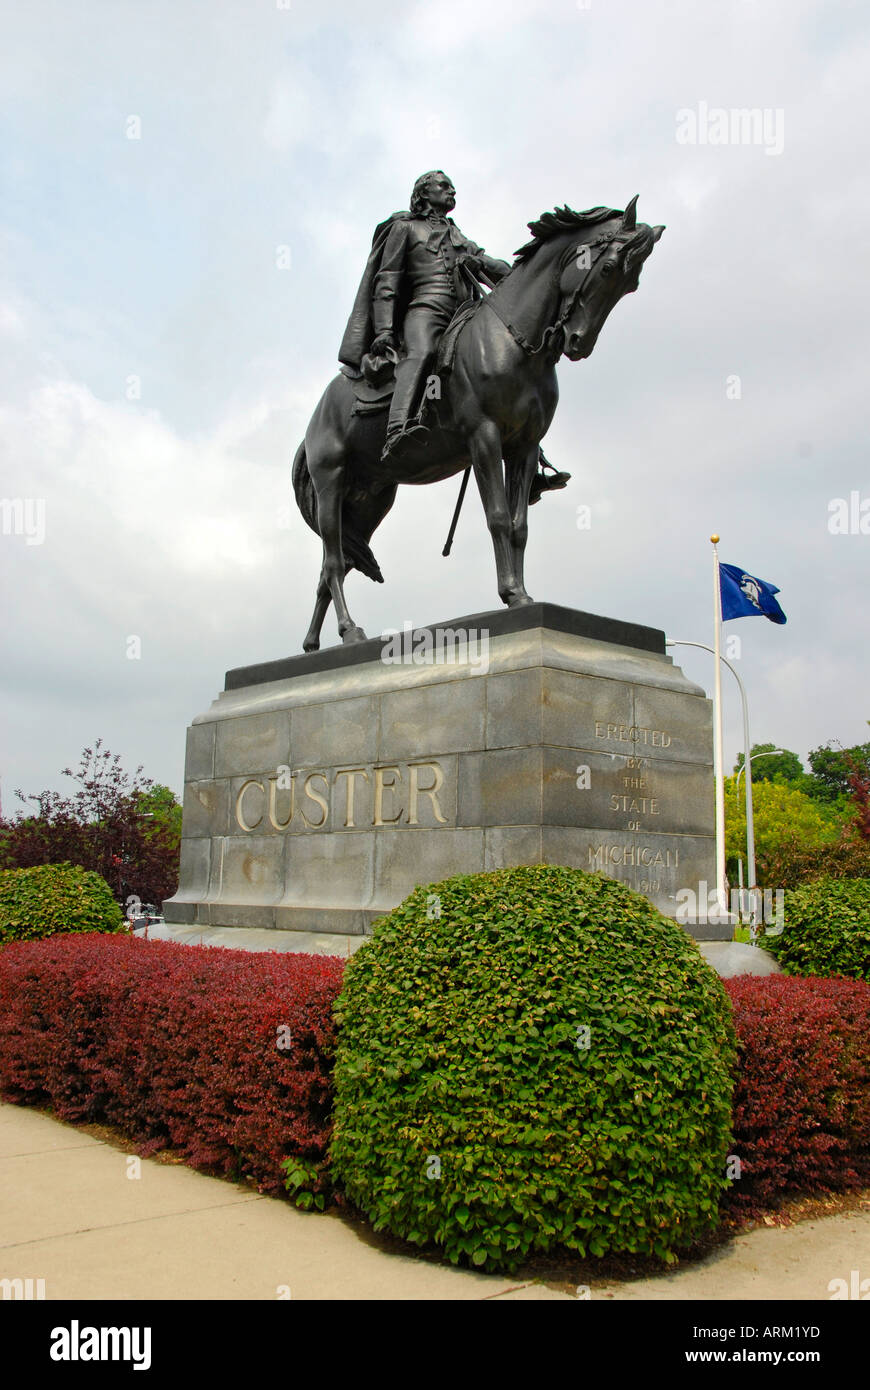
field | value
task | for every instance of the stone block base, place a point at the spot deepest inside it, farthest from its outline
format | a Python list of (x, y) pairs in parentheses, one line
[(319, 791)]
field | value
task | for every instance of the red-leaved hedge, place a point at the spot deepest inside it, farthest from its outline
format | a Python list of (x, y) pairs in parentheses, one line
[(801, 1118), (176, 1045)]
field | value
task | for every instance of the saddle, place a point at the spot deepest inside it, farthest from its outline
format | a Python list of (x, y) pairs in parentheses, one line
[(373, 386)]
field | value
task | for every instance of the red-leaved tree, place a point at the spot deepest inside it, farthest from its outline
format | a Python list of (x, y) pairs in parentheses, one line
[(122, 827), (859, 786)]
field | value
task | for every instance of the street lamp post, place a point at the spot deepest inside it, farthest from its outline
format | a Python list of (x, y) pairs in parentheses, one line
[(771, 753), (746, 762)]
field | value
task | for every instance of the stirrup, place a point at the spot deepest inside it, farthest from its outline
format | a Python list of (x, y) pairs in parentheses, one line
[(543, 482), (398, 441)]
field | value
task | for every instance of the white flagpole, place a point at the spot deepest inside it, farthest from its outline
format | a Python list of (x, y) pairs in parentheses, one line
[(718, 757)]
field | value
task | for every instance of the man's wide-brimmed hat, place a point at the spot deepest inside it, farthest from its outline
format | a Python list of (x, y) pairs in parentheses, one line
[(377, 369)]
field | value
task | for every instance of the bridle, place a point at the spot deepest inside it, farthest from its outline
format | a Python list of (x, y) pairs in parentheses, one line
[(556, 330)]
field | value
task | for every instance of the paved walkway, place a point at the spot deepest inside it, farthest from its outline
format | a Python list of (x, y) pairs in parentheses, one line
[(71, 1215)]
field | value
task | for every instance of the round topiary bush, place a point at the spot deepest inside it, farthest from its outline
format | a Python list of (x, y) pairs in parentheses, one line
[(53, 898), (826, 929), (529, 1059)]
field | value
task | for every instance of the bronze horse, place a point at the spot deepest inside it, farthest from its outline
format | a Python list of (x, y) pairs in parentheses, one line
[(497, 402)]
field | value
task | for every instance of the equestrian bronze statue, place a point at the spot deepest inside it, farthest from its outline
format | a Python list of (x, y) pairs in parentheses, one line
[(449, 364)]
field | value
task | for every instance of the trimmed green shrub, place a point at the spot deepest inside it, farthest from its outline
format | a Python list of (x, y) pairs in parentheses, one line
[(529, 1059), (826, 929), (54, 898)]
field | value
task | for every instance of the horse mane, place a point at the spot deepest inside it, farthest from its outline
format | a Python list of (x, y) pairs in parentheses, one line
[(551, 224)]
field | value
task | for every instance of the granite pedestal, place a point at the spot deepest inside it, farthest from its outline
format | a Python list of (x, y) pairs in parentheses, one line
[(319, 790)]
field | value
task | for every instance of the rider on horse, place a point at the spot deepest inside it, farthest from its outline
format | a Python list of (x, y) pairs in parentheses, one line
[(421, 270)]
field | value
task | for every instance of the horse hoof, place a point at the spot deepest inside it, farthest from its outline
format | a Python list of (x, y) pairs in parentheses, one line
[(353, 634), (312, 646), (520, 601)]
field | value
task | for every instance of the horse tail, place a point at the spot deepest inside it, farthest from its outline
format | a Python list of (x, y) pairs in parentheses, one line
[(357, 554), (303, 487), (355, 547)]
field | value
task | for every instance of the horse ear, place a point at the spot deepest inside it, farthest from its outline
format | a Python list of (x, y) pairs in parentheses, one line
[(629, 217), (657, 231)]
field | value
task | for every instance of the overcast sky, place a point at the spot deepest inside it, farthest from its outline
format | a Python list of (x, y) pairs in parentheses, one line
[(159, 366)]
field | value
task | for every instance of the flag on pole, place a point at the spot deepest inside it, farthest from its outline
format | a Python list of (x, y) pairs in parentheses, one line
[(744, 596)]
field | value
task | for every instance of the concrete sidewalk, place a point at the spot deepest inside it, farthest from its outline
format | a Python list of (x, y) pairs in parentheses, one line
[(71, 1215)]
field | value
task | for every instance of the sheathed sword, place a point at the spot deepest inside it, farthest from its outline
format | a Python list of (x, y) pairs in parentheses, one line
[(541, 483), (451, 533)]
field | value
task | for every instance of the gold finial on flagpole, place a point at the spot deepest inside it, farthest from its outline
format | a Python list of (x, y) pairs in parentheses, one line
[(715, 539)]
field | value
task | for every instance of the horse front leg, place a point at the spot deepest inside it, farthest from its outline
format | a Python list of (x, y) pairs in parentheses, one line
[(321, 605), (520, 469), (485, 449), (329, 500)]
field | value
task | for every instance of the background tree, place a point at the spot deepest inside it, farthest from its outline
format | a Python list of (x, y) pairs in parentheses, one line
[(784, 767), (792, 863), (788, 822), (859, 784), (162, 805), (125, 828), (833, 767), (838, 783)]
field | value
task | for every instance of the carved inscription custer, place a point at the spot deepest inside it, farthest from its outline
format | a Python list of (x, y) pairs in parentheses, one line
[(373, 795)]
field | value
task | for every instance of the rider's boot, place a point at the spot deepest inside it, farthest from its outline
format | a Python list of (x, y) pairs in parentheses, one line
[(404, 430), (546, 481)]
